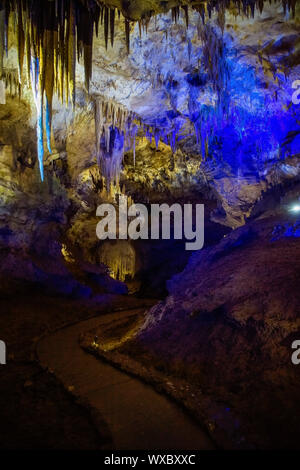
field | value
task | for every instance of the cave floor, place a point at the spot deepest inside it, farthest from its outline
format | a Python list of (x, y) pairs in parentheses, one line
[(138, 417)]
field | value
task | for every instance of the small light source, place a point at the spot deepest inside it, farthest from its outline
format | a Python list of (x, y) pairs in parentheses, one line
[(295, 208)]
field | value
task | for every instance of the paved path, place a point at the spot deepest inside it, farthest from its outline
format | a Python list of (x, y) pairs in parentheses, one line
[(138, 416)]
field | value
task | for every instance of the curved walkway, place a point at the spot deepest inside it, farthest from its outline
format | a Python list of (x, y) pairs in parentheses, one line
[(138, 416)]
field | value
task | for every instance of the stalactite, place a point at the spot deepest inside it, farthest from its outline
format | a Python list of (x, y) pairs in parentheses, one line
[(127, 32), (48, 73), (102, 14), (221, 18), (261, 5), (56, 33), (175, 14), (107, 136), (147, 24), (48, 124), (50, 29), (190, 47), (157, 137), (134, 144), (213, 58), (2, 37), (85, 33), (11, 81), (38, 98), (106, 18), (88, 57), (64, 17), (116, 131), (72, 53), (21, 40), (112, 26), (98, 126), (186, 12)]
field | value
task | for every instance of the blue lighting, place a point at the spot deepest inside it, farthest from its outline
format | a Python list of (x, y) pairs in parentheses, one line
[(243, 122)]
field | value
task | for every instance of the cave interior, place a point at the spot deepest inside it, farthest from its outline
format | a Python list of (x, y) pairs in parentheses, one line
[(176, 102)]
